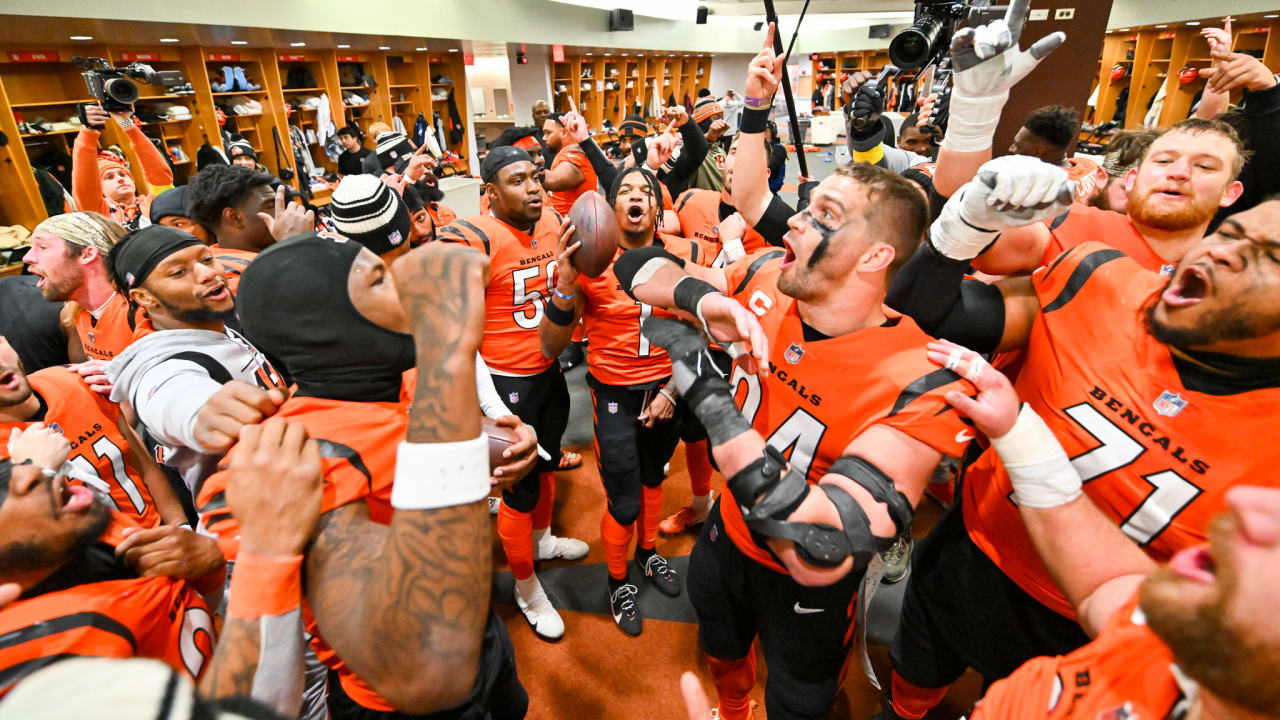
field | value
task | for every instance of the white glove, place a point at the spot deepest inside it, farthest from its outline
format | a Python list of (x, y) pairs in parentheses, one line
[(1008, 192), (988, 62)]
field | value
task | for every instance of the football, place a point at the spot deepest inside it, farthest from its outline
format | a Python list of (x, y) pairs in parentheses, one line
[(500, 438), (597, 229)]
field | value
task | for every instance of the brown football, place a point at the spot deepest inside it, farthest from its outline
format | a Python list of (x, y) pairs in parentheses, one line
[(596, 228), (500, 438)]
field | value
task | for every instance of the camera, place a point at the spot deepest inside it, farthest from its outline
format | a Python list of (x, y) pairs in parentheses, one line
[(112, 86), (929, 37)]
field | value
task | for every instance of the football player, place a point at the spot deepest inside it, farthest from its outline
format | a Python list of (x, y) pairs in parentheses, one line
[(1133, 372)]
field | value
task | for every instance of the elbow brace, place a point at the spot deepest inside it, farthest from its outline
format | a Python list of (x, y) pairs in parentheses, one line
[(932, 290), (634, 267)]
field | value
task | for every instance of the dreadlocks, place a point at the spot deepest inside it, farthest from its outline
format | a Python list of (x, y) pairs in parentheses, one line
[(654, 188)]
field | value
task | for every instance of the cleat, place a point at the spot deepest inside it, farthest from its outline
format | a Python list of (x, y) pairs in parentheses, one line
[(558, 548), (538, 610), (897, 560), (622, 603), (660, 575), (683, 520)]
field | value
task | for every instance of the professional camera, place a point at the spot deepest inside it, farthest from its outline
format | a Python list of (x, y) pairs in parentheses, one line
[(929, 37), (112, 86)]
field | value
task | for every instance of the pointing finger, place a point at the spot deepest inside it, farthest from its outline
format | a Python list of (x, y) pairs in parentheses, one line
[(1047, 44), (1016, 18)]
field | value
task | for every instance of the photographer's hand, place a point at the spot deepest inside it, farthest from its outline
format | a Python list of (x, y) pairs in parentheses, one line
[(93, 117), (124, 118)]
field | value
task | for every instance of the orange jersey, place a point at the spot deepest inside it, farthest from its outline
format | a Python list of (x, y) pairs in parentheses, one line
[(159, 618), (107, 336), (617, 354), (1126, 672), (1080, 171), (359, 460), (522, 270), (1156, 457), (233, 263), (700, 216), (441, 214), (821, 394), (562, 200), (1082, 224), (98, 449)]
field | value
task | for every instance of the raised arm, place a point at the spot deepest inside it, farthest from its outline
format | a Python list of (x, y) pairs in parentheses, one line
[(932, 288), (565, 176), (988, 62), (275, 491), (692, 153), (86, 183), (1092, 560), (154, 168), (576, 126), (565, 306), (404, 605), (751, 194)]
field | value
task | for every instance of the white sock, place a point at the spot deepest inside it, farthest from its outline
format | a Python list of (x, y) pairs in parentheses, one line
[(701, 504), (528, 589), (545, 540)]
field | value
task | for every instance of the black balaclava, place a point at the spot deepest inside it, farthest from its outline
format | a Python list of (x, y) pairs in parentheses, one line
[(294, 306)]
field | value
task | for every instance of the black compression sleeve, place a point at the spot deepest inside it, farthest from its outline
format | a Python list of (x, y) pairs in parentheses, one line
[(605, 170), (773, 224), (932, 290)]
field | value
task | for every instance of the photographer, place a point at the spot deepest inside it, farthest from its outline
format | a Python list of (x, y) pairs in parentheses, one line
[(103, 184), (866, 127)]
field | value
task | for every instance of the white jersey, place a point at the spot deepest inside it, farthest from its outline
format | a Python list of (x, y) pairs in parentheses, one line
[(169, 375)]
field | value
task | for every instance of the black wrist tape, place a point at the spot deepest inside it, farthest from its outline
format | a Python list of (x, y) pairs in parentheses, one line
[(558, 316), (689, 292), (755, 121)]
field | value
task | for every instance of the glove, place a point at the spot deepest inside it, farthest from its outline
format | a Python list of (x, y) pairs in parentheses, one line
[(868, 104), (1009, 192), (868, 139), (987, 63)]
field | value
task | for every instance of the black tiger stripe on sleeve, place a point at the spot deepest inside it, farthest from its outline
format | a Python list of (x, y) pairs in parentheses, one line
[(1080, 275), (755, 267)]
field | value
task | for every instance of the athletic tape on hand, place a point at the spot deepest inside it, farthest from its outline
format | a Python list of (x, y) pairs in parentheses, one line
[(1038, 467), (436, 475)]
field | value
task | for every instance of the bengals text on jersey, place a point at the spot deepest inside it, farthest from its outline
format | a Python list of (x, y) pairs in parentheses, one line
[(358, 444), (1126, 672), (107, 335), (1155, 456), (88, 420), (617, 354), (822, 392), (522, 271)]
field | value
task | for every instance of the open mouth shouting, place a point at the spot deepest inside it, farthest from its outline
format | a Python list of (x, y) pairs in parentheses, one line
[(1188, 288)]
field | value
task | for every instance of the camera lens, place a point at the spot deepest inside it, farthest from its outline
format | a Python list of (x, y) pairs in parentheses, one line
[(913, 47), (120, 90)]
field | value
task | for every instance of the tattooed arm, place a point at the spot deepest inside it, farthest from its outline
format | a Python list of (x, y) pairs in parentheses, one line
[(405, 605), (275, 491)]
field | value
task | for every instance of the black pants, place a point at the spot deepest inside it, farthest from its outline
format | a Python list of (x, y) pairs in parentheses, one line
[(628, 454), (542, 402), (805, 632), (960, 611), (496, 695)]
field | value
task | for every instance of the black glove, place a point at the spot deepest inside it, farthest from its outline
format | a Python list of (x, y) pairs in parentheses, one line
[(84, 118), (868, 104)]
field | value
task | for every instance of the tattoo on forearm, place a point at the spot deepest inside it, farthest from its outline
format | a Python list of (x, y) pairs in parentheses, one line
[(235, 660)]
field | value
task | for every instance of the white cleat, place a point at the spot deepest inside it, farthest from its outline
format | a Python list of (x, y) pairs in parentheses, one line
[(560, 548), (538, 610)]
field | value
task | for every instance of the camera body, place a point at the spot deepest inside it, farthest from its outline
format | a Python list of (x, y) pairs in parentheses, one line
[(928, 39), (114, 87)]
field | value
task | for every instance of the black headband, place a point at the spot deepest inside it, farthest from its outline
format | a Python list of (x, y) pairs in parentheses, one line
[(499, 158), (142, 250)]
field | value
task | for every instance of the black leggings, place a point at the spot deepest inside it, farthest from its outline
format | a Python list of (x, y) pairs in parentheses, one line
[(628, 454), (542, 402)]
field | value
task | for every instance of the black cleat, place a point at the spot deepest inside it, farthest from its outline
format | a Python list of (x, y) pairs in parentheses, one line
[(622, 603), (660, 574)]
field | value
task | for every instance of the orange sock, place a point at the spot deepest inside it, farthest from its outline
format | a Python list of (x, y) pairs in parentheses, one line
[(616, 539), (546, 501), (913, 701), (734, 680), (699, 465), (515, 528), (650, 516)]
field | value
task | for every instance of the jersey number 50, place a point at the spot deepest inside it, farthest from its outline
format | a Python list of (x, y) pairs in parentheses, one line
[(529, 304)]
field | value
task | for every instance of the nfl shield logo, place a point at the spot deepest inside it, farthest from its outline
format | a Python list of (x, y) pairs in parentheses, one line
[(1169, 403), (395, 238), (1167, 270), (514, 397), (56, 428), (715, 533), (613, 408), (92, 339), (794, 353)]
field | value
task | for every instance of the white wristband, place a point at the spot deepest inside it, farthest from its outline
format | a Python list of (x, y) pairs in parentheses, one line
[(1038, 467), (733, 250), (436, 475), (972, 121)]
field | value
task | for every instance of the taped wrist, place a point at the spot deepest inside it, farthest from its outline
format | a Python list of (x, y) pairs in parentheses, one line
[(867, 139), (932, 290), (875, 481), (972, 120), (265, 586), (558, 315), (1038, 467), (754, 121), (634, 267), (689, 292)]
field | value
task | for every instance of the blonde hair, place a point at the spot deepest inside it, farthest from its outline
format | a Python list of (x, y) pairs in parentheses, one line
[(377, 129)]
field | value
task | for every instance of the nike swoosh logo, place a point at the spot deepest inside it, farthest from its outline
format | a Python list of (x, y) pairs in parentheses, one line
[(963, 436), (806, 611)]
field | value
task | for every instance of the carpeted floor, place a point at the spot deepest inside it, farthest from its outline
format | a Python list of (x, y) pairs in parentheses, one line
[(595, 670)]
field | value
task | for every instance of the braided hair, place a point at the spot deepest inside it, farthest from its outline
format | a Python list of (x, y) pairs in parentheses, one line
[(654, 187)]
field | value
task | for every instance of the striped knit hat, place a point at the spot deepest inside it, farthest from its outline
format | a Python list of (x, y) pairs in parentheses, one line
[(391, 147), (367, 211), (705, 108), (241, 147)]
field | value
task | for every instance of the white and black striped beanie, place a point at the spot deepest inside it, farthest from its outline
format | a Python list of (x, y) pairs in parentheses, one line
[(367, 211), (391, 147)]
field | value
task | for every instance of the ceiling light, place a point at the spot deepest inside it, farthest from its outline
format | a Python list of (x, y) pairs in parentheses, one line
[(384, 47), (1193, 22), (344, 47), (297, 44), (608, 54), (453, 49), (1270, 16), (1160, 26), (169, 40), (239, 42), (1122, 29), (81, 37), (588, 53), (422, 49)]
